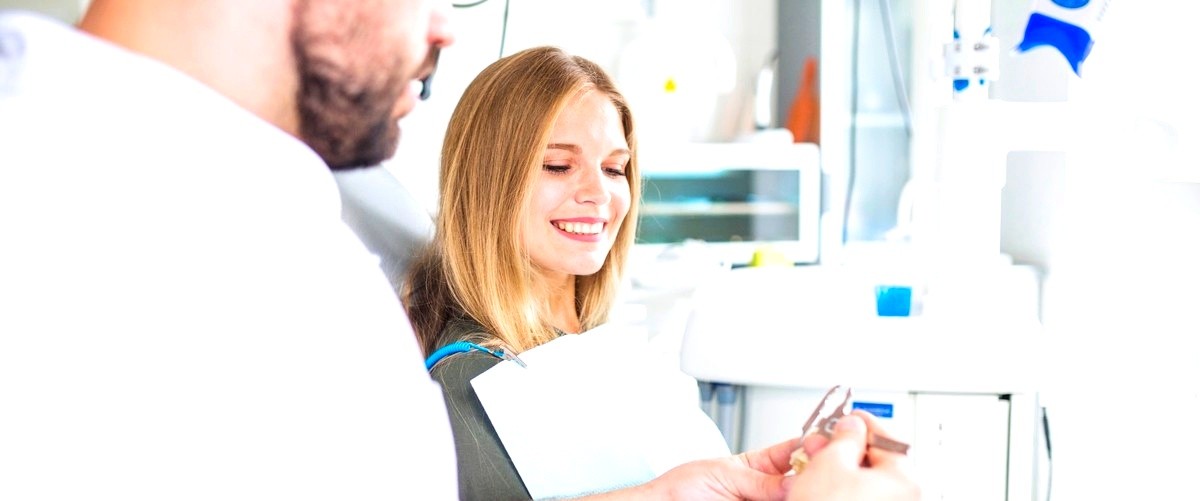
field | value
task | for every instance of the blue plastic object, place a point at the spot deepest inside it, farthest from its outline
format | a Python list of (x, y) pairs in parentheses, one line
[(462, 347), (1066, 25), (893, 300), (1073, 42)]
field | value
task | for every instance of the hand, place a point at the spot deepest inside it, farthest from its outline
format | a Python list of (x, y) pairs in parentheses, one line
[(844, 469), (759, 474)]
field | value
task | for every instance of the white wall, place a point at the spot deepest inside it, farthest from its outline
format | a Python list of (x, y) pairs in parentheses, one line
[(1117, 231), (596, 29), (65, 10)]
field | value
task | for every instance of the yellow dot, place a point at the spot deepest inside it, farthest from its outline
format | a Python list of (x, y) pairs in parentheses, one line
[(669, 87)]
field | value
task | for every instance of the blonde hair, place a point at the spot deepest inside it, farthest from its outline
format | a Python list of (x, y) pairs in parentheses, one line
[(476, 268)]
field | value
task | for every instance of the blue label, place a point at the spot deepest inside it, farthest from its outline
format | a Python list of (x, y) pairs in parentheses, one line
[(879, 409)]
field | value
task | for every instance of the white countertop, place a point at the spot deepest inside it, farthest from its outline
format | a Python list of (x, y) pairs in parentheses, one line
[(816, 327)]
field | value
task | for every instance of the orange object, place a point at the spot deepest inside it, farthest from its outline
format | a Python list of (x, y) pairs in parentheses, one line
[(804, 116)]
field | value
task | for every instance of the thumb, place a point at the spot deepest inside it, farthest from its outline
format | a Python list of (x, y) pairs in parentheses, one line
[(848, 444)]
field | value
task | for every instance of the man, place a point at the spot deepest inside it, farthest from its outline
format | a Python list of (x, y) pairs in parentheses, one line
[(183, 313)]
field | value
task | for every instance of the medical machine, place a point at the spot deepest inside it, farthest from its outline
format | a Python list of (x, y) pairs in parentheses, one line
[(735, 197)]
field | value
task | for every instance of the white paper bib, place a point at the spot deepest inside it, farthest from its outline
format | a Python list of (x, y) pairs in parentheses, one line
[(595, 412)]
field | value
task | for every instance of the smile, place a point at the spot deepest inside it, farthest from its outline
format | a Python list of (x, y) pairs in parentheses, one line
[(579, 228)]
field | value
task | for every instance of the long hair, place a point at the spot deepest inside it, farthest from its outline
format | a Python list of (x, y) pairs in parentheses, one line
[(477, 268)]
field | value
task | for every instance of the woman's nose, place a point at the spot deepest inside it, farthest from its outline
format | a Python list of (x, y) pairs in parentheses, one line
[(591, 188)]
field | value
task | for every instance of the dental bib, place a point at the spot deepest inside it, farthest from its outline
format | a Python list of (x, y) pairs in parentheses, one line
[(595, 412)]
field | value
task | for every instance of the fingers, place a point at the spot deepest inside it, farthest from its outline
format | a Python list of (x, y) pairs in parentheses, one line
[(750, 484), (775, 459), (849, 442), (874, 425), (814, 442), (878, 456)]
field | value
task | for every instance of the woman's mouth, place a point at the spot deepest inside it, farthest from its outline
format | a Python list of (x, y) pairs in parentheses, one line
[(579, 228)]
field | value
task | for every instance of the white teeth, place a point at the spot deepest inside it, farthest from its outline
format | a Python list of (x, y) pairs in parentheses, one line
[(581, 228)]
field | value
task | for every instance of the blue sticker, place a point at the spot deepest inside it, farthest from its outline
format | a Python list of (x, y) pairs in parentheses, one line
[(879, 409)]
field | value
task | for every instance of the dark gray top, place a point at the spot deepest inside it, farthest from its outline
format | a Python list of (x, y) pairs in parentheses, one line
[(484, 468)]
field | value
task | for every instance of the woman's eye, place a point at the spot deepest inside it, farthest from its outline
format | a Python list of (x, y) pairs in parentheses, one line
[(615, 171), (558, 169)]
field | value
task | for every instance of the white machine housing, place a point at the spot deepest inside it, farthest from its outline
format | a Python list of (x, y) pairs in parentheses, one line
[(958, 380)]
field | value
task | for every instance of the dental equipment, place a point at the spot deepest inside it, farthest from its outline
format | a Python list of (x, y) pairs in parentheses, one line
[(799, 459)]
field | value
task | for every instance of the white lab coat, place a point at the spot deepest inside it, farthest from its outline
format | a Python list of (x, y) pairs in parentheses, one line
[(183, 314)]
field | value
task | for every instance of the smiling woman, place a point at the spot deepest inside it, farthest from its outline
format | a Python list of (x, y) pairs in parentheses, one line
[(539, 189), (539, 152)]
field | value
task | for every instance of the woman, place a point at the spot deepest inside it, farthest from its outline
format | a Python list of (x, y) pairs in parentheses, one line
[(539, 191), (496, 157)]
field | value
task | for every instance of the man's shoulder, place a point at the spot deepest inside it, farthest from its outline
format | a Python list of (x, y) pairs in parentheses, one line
[(12, 20), (34, 50)]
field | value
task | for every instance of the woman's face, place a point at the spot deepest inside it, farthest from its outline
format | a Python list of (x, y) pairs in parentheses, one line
[(581, 194)]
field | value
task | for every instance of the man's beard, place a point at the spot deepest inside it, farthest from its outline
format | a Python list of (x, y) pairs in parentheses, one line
[(344, 119)]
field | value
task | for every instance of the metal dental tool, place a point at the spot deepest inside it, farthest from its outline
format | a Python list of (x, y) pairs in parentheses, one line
[(825, 426)]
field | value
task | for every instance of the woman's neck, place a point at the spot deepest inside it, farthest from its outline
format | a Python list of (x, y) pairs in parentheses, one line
[(560, 295)]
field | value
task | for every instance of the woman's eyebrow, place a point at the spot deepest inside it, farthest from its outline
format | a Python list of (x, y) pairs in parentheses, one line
[(564, 146), (578, 151)]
